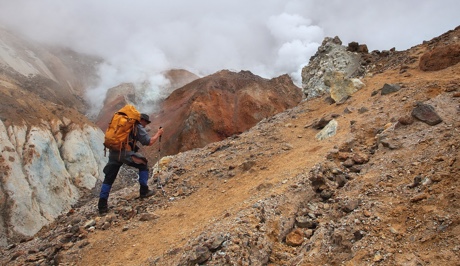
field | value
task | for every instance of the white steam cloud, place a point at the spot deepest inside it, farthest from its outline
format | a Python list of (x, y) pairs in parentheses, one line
[(140, 39)]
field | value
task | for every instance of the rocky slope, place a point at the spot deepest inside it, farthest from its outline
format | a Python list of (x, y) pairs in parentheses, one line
[(371, 179)]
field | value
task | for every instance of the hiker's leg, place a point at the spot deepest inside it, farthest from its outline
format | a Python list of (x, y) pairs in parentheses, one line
[(111, 172), (144, 191)]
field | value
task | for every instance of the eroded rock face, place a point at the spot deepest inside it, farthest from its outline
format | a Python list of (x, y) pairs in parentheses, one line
[(42, 169), (331, 56), (50, 154)]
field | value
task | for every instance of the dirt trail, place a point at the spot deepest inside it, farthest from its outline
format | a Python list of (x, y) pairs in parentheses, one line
[(185, 219)]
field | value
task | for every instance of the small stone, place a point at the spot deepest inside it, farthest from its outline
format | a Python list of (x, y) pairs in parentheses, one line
[(393, 231), (105, 226), (378, 257), (200, 255), (360, 158), (350, 206), (295, 238), (427, 114), (148, 217), (305, 222), (418, 198), (90, 223), (406, 120), (358, 235), (389, 88)]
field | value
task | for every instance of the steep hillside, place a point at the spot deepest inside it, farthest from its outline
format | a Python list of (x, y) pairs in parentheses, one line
[(381, 189), (220, 105), (52, 74)]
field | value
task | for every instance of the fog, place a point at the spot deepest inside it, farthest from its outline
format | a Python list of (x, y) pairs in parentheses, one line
[(139, 39)]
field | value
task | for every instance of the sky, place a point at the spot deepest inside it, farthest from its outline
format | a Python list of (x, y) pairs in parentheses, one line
[(139, 39)]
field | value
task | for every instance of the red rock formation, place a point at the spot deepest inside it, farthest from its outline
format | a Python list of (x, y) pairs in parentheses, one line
[(440, 58), (220, 105)]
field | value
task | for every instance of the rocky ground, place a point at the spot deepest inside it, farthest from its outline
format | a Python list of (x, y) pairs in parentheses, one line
[(382, 191)]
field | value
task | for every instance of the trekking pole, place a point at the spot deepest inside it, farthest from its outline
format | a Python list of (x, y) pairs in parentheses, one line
[(159, 185)]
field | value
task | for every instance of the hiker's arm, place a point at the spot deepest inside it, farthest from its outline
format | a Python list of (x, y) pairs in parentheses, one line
[(142, 136), (156, 136)]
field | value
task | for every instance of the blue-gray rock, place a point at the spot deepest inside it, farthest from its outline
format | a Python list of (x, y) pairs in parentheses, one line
[(389, 88), (426, 113)]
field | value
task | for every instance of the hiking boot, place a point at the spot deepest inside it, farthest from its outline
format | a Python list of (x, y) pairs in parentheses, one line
[(103, 210), (102, 206), (147, 194)]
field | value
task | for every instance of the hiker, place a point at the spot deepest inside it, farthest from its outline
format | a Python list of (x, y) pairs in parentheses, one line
[(129, 157)]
